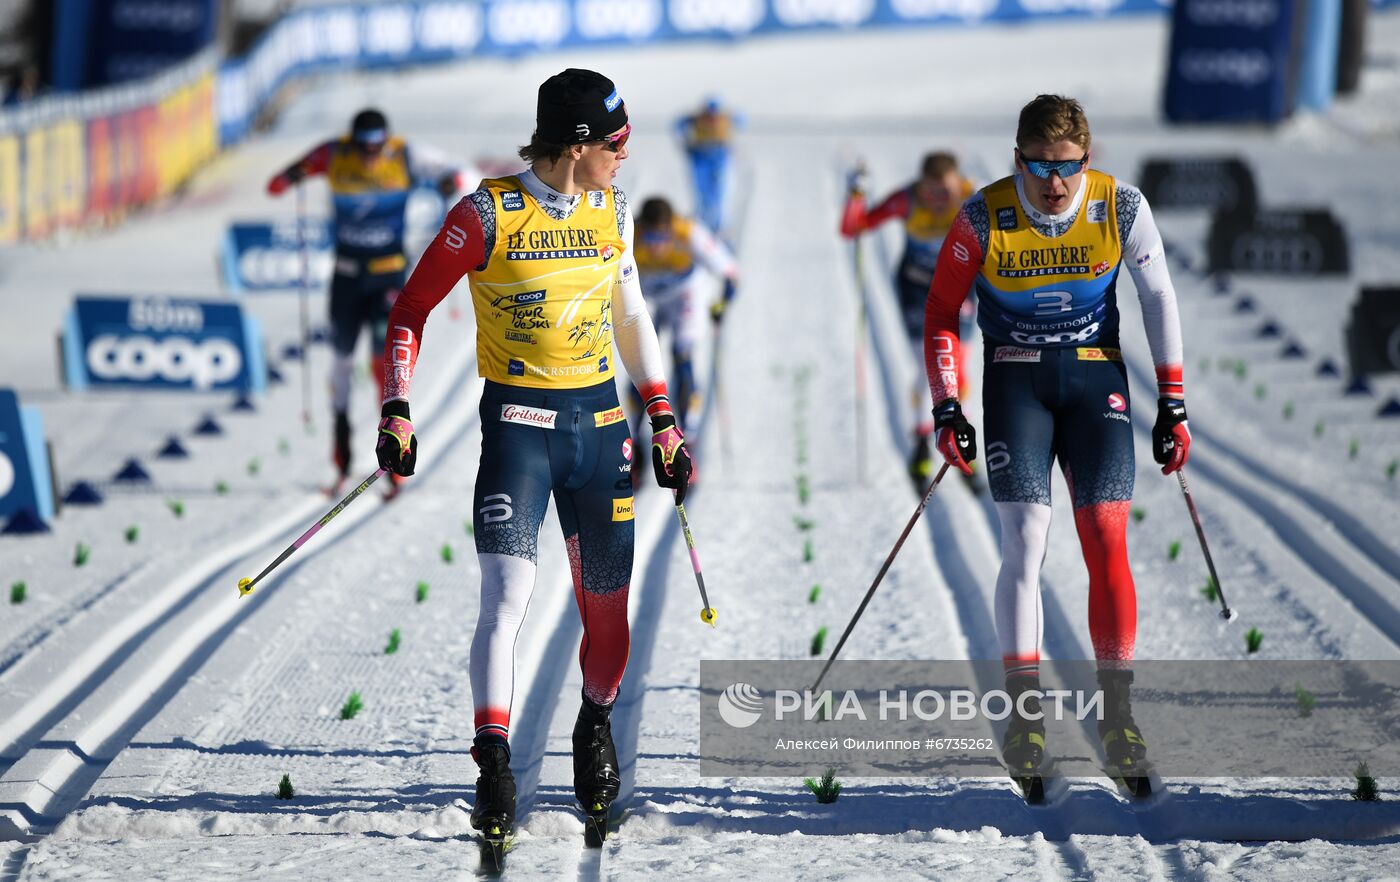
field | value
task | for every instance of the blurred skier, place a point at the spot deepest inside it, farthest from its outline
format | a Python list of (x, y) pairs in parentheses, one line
[(371, 175), (670, 249), (553, 277), (927, 208), (1043, 249), (709, 136)]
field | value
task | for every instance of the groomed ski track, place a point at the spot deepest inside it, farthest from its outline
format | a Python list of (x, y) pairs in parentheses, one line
[(232, 694)]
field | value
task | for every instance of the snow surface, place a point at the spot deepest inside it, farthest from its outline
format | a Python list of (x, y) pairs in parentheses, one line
[(147, 713)]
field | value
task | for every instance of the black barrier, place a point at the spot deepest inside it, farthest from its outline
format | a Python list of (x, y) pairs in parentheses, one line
[(1373, 335), (1222, 183), (1351, 48), (1306, 242)]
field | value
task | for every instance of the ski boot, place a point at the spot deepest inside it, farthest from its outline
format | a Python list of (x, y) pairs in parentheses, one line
[(1023, 744), (494, 810), (1123, 744), (921, 462), (596, 780)]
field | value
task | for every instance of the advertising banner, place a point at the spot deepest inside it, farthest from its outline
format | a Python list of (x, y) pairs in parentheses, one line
[(24, 461), (161, 343), (131, 39), (11, 224), (1222, 183), (1232, 60), (37, 204), (67, 173), (102, 192), (263, 256), (398, 34), (1298, 242), (1373, 334)]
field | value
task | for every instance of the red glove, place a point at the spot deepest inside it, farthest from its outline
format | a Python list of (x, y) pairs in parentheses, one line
[(279, 183), (1171, 438)]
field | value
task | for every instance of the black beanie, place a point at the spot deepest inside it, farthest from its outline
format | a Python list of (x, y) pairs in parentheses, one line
[(578, 106)]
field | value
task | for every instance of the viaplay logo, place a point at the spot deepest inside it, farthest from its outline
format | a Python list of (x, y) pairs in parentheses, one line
[(741, 705)]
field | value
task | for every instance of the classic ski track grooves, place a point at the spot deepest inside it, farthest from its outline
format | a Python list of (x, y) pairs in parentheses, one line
[(1321, 543), (67, 771)]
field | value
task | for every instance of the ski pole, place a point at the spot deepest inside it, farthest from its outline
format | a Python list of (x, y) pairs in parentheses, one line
[(860, 362), (1225, 612), (707, 614), (884, 568), (717, 381), (302, 296), (246, 586)]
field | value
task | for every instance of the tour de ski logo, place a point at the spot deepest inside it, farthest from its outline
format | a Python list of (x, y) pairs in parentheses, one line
[(741, 705)]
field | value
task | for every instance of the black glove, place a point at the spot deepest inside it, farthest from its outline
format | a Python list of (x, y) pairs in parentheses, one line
[(1171, 438), (669, 457), (957, 440), (398, 446), (719, 306), (447, 185)]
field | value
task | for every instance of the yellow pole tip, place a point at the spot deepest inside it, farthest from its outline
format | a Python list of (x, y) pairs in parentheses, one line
[(707, 615), (243, 587)]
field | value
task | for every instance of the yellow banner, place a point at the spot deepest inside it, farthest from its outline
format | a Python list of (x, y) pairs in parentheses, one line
[(37, 201), (9, 190), (67, 172)]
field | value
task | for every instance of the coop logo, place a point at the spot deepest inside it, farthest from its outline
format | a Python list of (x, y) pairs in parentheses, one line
[(528, 22), (260, 268), (732, 16), (967, 10), (796, 13), (1235, 67), (389, 31), (449, 26), (740, 706), (1264, 251), (203, 364), (7, 475), (152, 15), (1237, 13), (1051, 7)]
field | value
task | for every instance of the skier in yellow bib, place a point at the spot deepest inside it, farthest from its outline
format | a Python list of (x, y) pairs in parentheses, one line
[(554, 285)]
